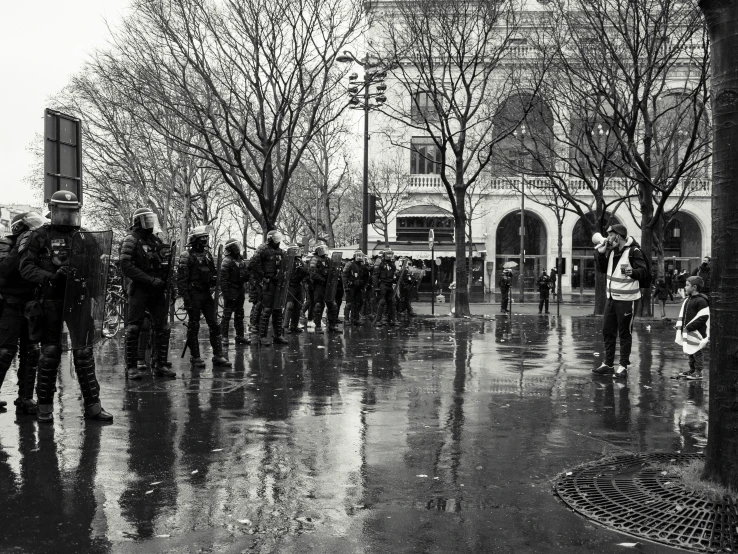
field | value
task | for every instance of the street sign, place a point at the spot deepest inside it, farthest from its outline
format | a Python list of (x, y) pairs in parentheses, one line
[(431, 237), (62, 154)]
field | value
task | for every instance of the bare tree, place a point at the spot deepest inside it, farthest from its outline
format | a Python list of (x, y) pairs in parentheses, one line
[(446, 60), (644, 64), (722, 448), (253, 78), (389, 183)]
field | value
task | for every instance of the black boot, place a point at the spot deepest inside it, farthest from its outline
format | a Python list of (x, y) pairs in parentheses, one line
[(25, 404), (238, 325), (133, 370), (96, 412), (46, 383), (84, 367), (277, 329), (318, 317), (195, 358), (218, 359), (160, 353), (6, 358), (266, 314)]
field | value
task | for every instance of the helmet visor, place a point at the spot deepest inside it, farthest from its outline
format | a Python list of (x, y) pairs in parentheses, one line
[(30, 221), (276, 237), (65, 216), (148, 221), (234, 246)]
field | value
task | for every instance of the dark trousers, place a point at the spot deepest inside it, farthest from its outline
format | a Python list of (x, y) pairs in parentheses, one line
[(617, 321), (319, 303), (233, 307), (142, 307), (202, 303), (543, 303), (14, 339), (505, 302), (386, 302), (294, 305), (697, 361), (354, 303), (84, 362)]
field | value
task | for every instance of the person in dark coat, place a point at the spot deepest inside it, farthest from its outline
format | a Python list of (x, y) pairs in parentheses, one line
[(681, 283), (662, 292), (544, 288), (703, 272), (505, 284), (553, 278)]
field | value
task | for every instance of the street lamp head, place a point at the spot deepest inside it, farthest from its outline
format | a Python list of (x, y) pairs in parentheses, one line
[(353, 77), (353, 90), (381, 87), (381, 99), (381, 75), (354, 101), (346, 57)]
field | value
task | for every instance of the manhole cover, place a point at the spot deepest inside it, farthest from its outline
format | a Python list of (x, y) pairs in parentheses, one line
[(634, 494)]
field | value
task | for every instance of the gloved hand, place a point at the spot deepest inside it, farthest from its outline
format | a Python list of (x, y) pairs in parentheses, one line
[(63, 271), (157, 283)]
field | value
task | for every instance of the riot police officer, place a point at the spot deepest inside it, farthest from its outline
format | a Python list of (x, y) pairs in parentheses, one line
[(320, 271), (383, 280), (15, 292), (195, 278), (234, 276), (295, 294), (505, 285), (145, 262), (355, 278), (45, 255), (266, 267)]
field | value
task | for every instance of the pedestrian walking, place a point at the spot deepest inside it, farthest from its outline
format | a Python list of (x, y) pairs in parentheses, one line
[(15, 292), (544, 288), (681, 282), (621, 259), (144, 260), (662, 292), (45, 256), (694, 335), (505, 284), (703, 272), (553, 278)]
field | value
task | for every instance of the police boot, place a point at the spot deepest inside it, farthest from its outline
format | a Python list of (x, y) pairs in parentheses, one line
[(25, 404), (45, 413), (277, 322), (46, 383), (6, 358), (318, 317), (238, 325), (195, 358), (84, 367), (266, 314), (347, 313), (378, 323), (134, 371), (218, 359), (160, 352), (97, 413)]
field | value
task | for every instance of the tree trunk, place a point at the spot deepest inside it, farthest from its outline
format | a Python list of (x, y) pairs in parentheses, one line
[(461, 305), (646, 241), (600, 278), (327, 219), (471, 253), (386, 237), (559, 255), (722, 438), (658, 239)]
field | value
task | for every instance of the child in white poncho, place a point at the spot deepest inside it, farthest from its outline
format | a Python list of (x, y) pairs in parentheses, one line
[(693, 327)]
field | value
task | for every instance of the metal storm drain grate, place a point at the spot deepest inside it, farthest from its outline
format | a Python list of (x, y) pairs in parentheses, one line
[(635, 494)]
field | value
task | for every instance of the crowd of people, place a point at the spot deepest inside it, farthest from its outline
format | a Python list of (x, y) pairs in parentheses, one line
[(285, 288)]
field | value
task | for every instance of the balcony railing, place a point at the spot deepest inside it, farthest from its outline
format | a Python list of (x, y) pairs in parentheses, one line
[(614, 186)]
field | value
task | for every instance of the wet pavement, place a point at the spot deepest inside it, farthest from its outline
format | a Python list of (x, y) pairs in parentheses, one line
[(443, 436)]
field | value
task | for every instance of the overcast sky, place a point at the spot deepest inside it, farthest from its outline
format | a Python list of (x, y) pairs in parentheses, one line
[(42, 43)]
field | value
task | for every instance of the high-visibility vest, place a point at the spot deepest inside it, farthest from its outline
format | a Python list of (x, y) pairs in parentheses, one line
[(692, 341), (619, 285)]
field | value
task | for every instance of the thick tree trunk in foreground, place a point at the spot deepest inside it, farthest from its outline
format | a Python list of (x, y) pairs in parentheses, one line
[(722, 438), (461, 304)]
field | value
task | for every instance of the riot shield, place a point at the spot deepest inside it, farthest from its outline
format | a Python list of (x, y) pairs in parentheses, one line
[(286, 266), (216, 294), (166, 254), (84, 296), (334, 275), (400, 277)]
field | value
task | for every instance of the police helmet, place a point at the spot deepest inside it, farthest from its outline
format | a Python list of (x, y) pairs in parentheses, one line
[(144, 218), (321, 250), (26, 221), (274, 237), (358, 255), (388, 254), (200, 234), (233, 246), (64, 207)]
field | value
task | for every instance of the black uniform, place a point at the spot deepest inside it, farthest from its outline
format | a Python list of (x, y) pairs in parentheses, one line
[(505, 284), (43, 251), (296, 297), (544, 288), (15, 292), (234, 276), (355, 278), (320, 268), (408, 286), (195, 278), (144, 261), (383, 280), (265, 266)]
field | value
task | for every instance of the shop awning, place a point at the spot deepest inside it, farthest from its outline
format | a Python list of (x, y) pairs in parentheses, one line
[(424, 210), (420, 251)]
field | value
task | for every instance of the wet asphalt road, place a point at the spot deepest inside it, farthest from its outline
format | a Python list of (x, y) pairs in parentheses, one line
[(443, 436)]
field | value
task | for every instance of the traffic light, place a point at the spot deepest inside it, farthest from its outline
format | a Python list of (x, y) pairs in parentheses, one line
[(371, 209)]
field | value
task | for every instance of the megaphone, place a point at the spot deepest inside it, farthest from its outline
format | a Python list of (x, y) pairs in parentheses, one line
[(598, 239)]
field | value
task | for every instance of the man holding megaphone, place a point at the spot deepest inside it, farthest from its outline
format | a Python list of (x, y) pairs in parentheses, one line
[(621, 259)]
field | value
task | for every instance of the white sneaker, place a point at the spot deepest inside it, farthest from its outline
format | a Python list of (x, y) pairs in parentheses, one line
[(621, 372)]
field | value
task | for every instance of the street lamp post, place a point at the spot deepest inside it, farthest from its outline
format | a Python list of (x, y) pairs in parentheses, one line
[(375, 78), (521, 259)]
